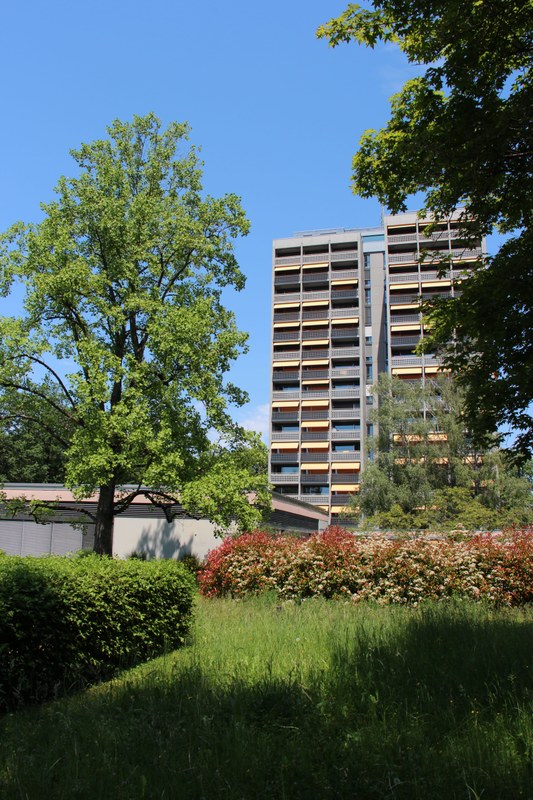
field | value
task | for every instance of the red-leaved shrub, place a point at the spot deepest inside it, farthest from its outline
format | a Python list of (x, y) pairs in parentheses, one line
[(337, 563)]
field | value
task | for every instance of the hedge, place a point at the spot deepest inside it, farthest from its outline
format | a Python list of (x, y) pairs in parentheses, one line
[(493, 567), (69, 622)]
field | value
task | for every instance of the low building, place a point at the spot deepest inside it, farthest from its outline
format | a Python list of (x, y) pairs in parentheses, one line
[(141, 528)]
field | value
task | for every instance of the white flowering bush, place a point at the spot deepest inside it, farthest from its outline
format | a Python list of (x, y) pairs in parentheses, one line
[(335, 563)]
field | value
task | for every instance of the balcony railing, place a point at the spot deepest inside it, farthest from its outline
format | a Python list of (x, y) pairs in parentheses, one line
[(347, 393), (344, 275), (281, 377), (315, 277), (285, 458), (316, 477), (348, 435), (345, 255), (287, 336), (286, 395), (285, 416), (414, 361), (344, 294), (277, 477), (308, 354), (315, 499), (343, 455), (288, 355), (314, 457), (339, 313), (399, 320), (313, 415), (285, 436), (345, 413), (285, 280), (291, 316), (349, 477), (317, 436)]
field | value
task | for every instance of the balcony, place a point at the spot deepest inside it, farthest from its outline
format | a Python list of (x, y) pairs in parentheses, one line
[(346, 435), (339, 313), (292, 316), (399, 320), (344, 294), (285, 436), (342, 332), (281, 377), (345, 372), (312, 415), (314, 457), (346, 393), (288, 355), (286, 395), (324, 295), (318, 436), (415, 361), (321, 334), (345, 413), (287, 336), (287, 297), (322, 314), (277, 477), (345, 352), (316, 499), (344, 275), (404, 341), (341, 499), (315, 277), (403, 299), (316, 477), (287, 280), (347, 477), (310, 395), (344, 255), (308, 354), (285, 458), (286, 417), (316, 374), (343, 455)]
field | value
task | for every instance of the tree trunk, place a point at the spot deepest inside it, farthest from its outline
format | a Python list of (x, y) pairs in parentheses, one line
[(105, 518)]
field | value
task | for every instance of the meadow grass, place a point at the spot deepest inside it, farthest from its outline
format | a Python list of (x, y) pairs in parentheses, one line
[(316, 700)]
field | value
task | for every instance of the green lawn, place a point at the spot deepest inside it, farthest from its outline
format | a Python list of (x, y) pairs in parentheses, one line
[(314, 701)]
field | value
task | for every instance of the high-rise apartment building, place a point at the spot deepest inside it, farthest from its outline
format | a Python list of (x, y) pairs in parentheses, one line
[(346, 306)]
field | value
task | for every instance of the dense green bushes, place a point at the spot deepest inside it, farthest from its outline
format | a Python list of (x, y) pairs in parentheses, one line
[(494, 567), (68, 622)]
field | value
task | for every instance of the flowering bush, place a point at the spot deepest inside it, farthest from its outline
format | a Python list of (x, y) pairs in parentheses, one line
[(335, 563)]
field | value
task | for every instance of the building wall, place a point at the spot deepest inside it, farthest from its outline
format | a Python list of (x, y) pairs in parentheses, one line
[(346, 307)]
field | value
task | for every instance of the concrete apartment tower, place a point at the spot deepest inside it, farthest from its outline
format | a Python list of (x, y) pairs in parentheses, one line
[(346, 307)]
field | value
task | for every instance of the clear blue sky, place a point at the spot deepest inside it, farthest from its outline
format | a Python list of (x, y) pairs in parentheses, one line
[(277, 113)]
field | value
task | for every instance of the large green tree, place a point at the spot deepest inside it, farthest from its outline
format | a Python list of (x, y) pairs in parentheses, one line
[(123, 346), (425, 470), (462, 133)]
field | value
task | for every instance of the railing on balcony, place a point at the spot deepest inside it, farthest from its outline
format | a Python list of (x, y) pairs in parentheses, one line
[(314, 457), (345, 413), (285, 416), (348, 435), (339, 313), (345, 352), (277, 477), (281, 377), (341, 499), (285, 458), (403, 299), (343, 455), (287, 297), (314, 415), (293, 395), (323, 333), (414, 361), (346, 477), (314, 374), (310, 296), (315, 499), (317, 436), (307, 354), (399, 320), (287, 355), (316, 477), (344, 275), (290, 316), (285, 436), (344, 332), (352, 392), (322, 314), (315, 395), (344, 294), (287, 336), (286, 280), (344, 255), (315, 277), (404, 341)]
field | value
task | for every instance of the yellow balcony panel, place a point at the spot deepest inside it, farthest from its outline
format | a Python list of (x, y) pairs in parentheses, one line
[(436, 284), (324, 508), (317, 381), (313, 466), (295, 324), (402, 328), (312, 322), (285, 445), (346, 282), (433, 370), (318, 445), (405, 307), (315, 303), (316, 423), (341, 509), (314, 341), (344, 487), (277, 306), (407, 370), (393, 286), (319, 265), (346, 465), (318, 403), (285, 404), (319, 362), (287, 267), (345, 321)]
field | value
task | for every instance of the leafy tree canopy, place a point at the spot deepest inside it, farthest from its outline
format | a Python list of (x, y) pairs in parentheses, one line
[(462, 133), (425, 470), (124, 344)]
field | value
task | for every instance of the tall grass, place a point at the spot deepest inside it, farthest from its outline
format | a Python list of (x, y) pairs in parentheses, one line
[(316, 700)]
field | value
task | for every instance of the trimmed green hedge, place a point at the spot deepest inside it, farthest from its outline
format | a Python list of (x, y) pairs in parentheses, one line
[(69, 622)]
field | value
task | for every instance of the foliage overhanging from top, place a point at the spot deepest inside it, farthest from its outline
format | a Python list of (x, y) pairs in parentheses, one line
[(462, 133)]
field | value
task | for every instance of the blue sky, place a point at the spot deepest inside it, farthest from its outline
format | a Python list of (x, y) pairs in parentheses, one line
[(276, 112)]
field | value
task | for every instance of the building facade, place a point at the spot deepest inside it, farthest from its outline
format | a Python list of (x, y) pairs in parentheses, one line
[(346, 307)]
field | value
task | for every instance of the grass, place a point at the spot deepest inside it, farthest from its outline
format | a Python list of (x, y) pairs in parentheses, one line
[(313, 701)]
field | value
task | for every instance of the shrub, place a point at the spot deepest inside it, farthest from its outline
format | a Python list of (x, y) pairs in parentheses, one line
[(68, 622), (496, 567)]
